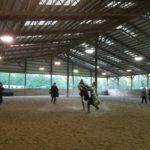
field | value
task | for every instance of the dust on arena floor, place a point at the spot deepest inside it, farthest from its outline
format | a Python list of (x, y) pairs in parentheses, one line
[(33, 123)]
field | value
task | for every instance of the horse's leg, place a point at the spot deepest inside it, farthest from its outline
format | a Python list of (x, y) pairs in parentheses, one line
[(95, 106), (54, 100), (88, 106), (93, 98), (82, 101)]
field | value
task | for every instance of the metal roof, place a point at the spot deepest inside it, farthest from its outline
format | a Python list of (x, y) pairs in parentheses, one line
[(45, 29)]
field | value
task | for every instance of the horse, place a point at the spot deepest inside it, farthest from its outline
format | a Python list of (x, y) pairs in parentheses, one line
[(91, 100)]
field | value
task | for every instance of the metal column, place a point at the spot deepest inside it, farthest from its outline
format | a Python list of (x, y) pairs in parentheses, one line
[(131, 82), (9, 81), (72, 79), (68, 73), (91, 76), (107, 82), (51, 71), (96, 54), (148, 80), (25, 71), (118, 82)]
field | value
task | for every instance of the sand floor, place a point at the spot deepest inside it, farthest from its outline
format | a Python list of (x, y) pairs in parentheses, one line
[(33, 123)]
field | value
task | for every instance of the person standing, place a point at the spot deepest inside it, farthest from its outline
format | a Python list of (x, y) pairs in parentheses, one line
[(54, 93), (149, 96), (144, 96), (1, 93), (83, 88)]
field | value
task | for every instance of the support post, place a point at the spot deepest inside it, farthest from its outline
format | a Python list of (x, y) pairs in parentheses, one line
[(96, 54), (25, 75), (107, 83), (68, 73), (72, 79), (25, 71), (118, 82), (91, 76), (51, 71), (147, 80), (9, 81), (131, 82)]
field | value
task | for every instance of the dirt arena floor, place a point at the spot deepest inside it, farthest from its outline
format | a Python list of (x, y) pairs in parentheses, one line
[(33, 123)]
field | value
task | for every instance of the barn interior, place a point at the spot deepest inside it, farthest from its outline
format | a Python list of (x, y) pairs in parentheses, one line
[(107, 39)]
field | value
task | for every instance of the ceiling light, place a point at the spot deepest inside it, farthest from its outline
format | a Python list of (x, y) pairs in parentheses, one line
[(129, 70), (119, 27), (75, 71), (6, 38), (138, 58), (103, 73), (41, 68), (57, 63), (0, 57), (89, 51)]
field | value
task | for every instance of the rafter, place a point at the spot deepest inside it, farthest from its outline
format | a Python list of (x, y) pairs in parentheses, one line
[(128, 47), (30, 15), (86, 61)]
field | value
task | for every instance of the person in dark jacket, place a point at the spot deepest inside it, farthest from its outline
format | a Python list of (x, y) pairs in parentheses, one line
[(144, 96), (1, 93), (54, 93)]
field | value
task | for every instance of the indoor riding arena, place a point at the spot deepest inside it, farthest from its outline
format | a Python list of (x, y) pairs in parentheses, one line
[(74, 75), (34, 123)]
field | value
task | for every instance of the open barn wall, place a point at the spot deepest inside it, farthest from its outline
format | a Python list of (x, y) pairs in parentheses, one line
[(114, 92), (110, 92), (32, 67)]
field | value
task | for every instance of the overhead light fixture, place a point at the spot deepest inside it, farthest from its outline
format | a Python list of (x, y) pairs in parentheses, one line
[(129, 70), (75, 71), (139, 58), (41, 68), (119, 27), (0, 57), (7, 39), (57, 63), (104, 73), (89, 51)]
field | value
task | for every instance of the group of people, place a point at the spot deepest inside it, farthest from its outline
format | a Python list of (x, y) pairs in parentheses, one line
[(145, 95), (84, 93)]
